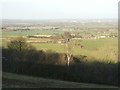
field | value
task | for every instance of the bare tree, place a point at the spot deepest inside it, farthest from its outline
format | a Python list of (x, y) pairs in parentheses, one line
[(69, 47)]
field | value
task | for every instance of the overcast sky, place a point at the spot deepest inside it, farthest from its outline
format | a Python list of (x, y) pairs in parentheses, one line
[(59, 9)]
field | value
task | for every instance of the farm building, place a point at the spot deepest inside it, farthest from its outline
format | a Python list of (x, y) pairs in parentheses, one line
[(61, 42), (73, 35), (102, 37)]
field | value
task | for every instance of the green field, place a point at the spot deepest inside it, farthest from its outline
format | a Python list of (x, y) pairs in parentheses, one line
[(104, 50), (32, 32), (99, 49), (11, 80)]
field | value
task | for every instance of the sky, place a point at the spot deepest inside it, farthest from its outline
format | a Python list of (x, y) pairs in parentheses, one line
[(59, 9)]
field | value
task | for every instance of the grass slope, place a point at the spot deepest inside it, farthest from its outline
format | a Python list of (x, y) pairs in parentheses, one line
[(11, 80)]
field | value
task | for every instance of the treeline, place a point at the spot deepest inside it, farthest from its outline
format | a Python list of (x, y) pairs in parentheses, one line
[(22, 58)]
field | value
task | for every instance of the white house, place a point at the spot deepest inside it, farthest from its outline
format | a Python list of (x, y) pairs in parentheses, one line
[(102, 36)]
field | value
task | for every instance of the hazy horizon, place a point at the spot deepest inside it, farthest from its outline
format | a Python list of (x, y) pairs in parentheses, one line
[(59, 9)]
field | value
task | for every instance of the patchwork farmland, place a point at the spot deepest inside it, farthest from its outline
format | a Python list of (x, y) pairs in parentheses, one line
[(89, 46)]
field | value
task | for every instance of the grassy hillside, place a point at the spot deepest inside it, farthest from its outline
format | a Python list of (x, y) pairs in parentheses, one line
[(103, 50), (11, 80)]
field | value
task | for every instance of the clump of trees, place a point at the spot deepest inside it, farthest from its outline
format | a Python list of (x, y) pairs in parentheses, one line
[(18, 48)]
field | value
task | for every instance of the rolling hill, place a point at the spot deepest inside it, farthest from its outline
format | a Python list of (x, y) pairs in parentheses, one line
[(11, 80)]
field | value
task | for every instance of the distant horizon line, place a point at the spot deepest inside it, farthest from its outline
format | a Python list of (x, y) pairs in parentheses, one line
[(66, 19), (58, 18)]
